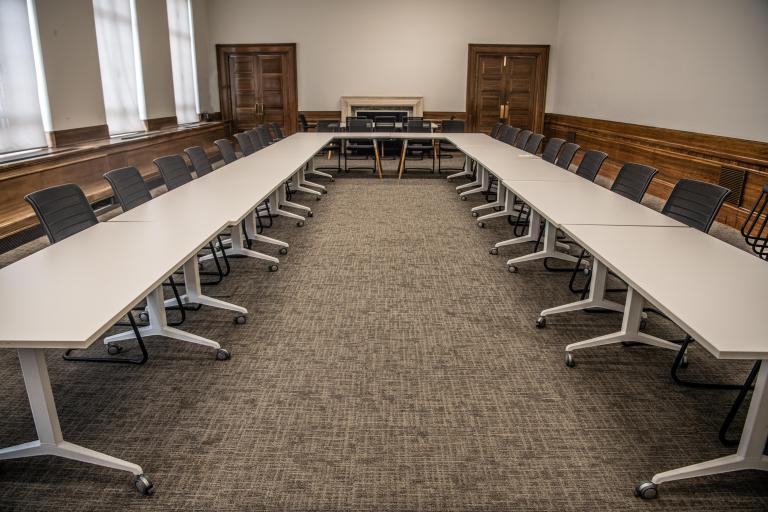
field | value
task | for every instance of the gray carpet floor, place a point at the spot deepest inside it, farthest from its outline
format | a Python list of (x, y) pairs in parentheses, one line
[(390, 364)]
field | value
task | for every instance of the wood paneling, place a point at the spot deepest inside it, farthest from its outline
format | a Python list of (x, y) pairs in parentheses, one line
[(431, 115), (511, 75), (676, 154), (86, 164), (257, 85), (159, 123), (76, 135)]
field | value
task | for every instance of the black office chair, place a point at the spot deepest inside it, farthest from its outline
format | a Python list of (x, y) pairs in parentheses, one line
[(590, 164), (522, 139), (534, 141), (200, 161), (695, 203), (508, 134), (387, 124), (419, 147), (277, 132), (448, 150), (361, 148), (227, 150), (329, 126), (303, 123), (244, 141), (754, 231), (63, 211), (552, 149), (496, 129), (257, 143), (263, 134), (566, 155)]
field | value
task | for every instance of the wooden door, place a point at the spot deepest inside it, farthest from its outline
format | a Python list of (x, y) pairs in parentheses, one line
[(257, 85), (506, 82)]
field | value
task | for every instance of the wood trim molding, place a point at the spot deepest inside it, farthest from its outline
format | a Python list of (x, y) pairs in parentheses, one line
[(676, 154), (60, 138), (158, 123), (85, 165)]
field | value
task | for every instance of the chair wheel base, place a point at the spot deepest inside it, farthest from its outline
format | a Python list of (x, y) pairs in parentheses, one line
[(647, 491)]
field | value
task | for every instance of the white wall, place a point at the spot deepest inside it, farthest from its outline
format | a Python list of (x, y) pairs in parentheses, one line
[(379, 47), (696, 65), (155, 44)]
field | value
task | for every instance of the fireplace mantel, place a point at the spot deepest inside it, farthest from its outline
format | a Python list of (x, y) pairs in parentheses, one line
[(413, 104)]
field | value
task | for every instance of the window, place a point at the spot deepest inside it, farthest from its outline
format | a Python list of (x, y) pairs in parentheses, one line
[(21, 122), (119, 74), (182, 60)]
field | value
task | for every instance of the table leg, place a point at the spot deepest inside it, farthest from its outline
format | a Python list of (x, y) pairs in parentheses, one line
[(484, 183), (250, 232), (509, 207), (194, 293), (749, 454), (549, 249), (401, 167), (237, 247), (465, 172), (500, 201), (283, 201), (378, 158), (300, 180), (50, 439), (312, 170), (478, 180)]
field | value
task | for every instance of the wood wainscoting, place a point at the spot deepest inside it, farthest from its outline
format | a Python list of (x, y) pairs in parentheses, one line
[(676, 154), (429, 115), (86, 164)]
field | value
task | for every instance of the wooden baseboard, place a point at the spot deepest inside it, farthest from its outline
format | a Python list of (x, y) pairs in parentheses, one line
[(158, 123), (60, 138), (676, 154)]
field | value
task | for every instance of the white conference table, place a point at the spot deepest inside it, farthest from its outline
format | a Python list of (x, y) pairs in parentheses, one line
[(694, 264)]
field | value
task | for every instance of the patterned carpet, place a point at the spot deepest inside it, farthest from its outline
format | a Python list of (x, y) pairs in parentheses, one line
[(390, 364)]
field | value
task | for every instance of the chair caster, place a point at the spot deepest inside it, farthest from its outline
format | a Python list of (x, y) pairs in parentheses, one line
[(144, 485), (113, 349), (512, 269), (475, 214), (144, 316), (283, 250), (684, 361), (223, 354), (310, 213), (494, 251), (463, 198), (300, 223), (569, 361), (541, 322), (273, 267), (647, 491), (239, 319), (481, 224)]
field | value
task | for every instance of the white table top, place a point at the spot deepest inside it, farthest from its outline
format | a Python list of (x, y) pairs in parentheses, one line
[(716, 292), (584, 202), (68, 294)]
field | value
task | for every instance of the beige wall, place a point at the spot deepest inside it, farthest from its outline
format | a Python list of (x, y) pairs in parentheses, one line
[(696, 65), (71, 63), (373, 47), (152, 22)]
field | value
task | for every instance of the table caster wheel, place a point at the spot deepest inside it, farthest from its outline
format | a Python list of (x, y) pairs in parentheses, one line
[(144, 316), (647, 491), (463, 198), (494, 251), (318, 198), (300, 223), (569, 361), (223, 354), (474, 214), (310, 213), (684, 361), (144, 485), (113, 349), (512, 269), (239, 319), (541, 322), (481, 224), (273, 267), (283, 250)]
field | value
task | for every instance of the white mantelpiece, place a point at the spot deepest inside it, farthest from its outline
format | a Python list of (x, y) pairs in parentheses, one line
[(412, 104)]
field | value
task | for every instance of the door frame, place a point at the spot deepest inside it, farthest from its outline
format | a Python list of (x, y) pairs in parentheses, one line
[(222, 64), (540, 51)]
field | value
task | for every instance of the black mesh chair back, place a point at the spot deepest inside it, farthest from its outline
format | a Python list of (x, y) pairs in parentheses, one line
[(359, 125), (200, 162), (256, 144), (227, 150), (418, 126), (327, 125), (566, 155), (263, 134), (244, 141), (522, 139), (590, 164), (633, 180), (508, 134), (62, 210), (277, 132), (695, 203), (552, 149), (496, 130), (452, 126), (303, 123), (385, 123), (129, 188), (174, 171), (534, 141)]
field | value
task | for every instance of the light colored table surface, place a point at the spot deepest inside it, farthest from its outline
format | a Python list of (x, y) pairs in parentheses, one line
[(68, 294), (716, 292), (584, 202)]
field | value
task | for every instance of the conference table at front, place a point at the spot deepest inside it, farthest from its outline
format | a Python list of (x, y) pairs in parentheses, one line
[(147, 244)]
